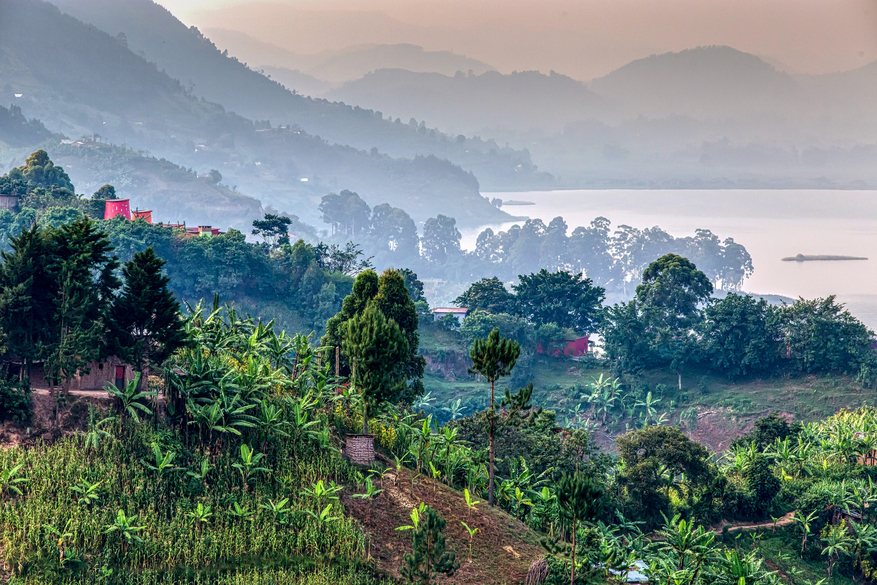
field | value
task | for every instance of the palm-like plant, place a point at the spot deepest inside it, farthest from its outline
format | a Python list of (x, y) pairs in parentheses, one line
[(240, 512), (269, 421), (804, 522), (129, 398), (126, 527), (249, 464), (202, 471), (96, 431), (471, 532), (163, 463), (10, 482), (200, 515), (88, 493), (280, 510), (837, 544)]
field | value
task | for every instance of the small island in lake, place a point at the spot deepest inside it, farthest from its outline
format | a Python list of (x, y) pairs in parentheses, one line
[(820, 258), (513, 202)]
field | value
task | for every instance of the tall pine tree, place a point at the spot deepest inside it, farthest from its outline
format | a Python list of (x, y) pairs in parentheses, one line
[(146, 327)]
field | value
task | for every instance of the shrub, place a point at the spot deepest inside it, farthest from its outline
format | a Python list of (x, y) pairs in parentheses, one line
[(15, 399)]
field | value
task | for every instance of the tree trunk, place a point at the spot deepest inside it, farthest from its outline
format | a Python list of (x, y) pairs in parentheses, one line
[(572, 572), (491, 451), (680, 379)]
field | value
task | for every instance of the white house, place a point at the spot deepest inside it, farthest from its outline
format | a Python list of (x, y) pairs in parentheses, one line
[(458, 312)]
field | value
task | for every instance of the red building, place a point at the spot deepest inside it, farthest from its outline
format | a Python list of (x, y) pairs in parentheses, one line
[(571, 348), (117, 207)]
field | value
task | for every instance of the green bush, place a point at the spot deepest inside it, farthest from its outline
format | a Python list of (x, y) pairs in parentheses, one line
[(15, 401)]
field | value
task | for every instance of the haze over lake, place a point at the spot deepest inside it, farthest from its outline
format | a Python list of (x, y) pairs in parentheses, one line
[(772, 224)]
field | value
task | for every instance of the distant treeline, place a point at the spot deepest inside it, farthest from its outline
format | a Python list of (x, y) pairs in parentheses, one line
[(611, 259)]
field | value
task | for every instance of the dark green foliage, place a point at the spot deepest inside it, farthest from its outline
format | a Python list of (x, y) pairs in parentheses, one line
[(580, 499), (479, 324), (767, 431), (741, 335), (413, 284), (375, 345), (39, 172), (389, 294), (15, 401), (488, 295), (671, 290), (654, 459), (561, 298), (145, 318), (762, 483), (624, 338), (273, 229), (430, 556), (822, 336)]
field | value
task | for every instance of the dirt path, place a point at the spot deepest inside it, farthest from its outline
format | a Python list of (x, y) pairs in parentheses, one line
[(86, 393), (782, 521)]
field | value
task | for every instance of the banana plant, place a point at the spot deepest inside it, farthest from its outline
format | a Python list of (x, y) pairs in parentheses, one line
[(471, 532), (280, 510), (200, 515), (126, 527), (129, 397), (471, 502), (323, 517), (10, 482), (371, 492), (240, 512), (87, 492), (203, 470), (96, 432), (249, 465), (322, 493)]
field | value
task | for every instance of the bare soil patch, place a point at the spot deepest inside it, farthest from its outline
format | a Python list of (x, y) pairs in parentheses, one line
[(502, 550)]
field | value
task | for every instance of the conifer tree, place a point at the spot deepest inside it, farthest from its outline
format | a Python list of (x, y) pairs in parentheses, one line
[(374, 345), (493, 358), (429, 556), (580, 499), (146, 327)]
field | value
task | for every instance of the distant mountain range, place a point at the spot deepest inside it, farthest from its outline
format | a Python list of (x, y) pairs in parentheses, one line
[(348, 64), (205, 71), (79, 80)]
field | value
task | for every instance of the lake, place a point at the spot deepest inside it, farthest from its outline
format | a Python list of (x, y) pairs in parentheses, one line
[(772, 224)]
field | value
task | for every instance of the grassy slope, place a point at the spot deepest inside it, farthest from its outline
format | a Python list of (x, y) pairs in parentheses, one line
[(725, 409)]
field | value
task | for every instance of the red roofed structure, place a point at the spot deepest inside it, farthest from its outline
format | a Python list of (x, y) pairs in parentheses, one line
[(116, 207)]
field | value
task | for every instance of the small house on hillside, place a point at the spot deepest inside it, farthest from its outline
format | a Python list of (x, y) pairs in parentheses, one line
[(110, 371), (569, 347), (458, 312)]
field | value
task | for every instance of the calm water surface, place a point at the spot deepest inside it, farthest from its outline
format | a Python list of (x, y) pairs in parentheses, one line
[(772, 224)]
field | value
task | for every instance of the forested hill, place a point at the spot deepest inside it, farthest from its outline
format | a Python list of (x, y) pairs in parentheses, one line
[(185, 54), (16, 130), (79, 80), (702, 82), (470, 103)]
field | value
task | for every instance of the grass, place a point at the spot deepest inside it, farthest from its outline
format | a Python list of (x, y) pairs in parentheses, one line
[(780, 551), (716, 409)]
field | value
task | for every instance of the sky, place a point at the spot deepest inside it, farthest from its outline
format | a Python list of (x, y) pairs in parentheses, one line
[(581, 38)]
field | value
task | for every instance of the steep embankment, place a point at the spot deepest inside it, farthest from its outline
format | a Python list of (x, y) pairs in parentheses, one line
[(502, 549)]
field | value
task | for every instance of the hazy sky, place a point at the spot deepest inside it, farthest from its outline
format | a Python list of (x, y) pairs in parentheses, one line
[(582, 38)]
